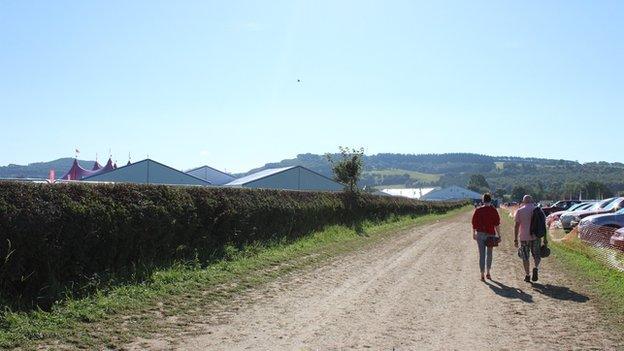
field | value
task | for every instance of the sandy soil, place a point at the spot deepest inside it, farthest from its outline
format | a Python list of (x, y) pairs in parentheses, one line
[(418, 291)]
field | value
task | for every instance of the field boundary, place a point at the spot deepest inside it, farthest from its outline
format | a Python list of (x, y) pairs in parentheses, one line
[(582, 261), (168, 303)]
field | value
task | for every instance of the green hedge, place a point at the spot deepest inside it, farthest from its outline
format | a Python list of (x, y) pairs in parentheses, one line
[(62, 238)]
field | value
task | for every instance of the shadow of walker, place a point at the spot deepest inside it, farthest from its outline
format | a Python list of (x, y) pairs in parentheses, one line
[(509, 292), (559, 292)]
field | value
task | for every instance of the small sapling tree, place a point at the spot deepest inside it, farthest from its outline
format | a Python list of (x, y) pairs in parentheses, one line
[(348, 168)]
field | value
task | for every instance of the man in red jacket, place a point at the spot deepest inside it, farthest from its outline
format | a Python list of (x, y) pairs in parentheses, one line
[(485, 223)]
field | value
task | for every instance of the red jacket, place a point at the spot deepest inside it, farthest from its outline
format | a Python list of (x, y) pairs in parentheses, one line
[(485, 218)]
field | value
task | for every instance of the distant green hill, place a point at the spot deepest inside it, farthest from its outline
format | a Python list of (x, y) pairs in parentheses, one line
[(41, 169), (548, 176), (551, 178)]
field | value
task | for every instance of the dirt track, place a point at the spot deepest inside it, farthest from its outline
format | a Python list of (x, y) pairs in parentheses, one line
[(418, 291)]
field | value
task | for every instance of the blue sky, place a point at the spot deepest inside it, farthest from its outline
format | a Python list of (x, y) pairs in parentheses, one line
[(215, 82)]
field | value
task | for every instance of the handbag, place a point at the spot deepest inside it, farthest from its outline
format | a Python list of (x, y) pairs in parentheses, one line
[(492, 241)]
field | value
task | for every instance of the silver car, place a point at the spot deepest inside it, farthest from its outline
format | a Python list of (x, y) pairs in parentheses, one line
[(614, 220), (568, 217), (598, 229)]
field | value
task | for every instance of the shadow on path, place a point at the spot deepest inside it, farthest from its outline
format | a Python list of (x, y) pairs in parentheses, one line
[(559, 292), (508, 291)]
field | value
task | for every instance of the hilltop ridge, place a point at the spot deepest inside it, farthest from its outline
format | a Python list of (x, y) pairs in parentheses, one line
[(551, 177)]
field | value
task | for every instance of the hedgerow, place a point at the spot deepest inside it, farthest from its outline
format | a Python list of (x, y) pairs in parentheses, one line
[(65, 238)]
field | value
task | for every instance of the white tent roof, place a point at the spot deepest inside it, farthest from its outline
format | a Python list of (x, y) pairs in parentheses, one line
[(288, 178), (258, 175), (412, 193), (212, 175), (147, 172), (452, 193)]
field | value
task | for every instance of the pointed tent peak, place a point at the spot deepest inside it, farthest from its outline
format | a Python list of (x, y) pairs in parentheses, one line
[(108, 166), (96, 166), (76, 172), (129, 163)]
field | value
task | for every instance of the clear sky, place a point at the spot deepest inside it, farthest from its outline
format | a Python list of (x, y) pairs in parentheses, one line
[(215, 82)]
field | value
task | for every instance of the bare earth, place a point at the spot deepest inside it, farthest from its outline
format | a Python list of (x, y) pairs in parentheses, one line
[(418, 290)]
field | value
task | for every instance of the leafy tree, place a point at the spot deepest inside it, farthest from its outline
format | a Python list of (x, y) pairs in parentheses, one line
[(596, 190), (518, 192), (500, 192), (348, 169), (572, 190), (478, 183)]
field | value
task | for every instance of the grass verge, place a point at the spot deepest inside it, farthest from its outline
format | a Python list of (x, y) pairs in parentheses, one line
[(172, 299), (589, 266)]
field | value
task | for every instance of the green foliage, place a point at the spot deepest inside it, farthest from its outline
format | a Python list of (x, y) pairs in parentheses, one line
[(500, 192), (545, 178), (348, 169), (501, 172), (90, 322), (596, 190), (388, 177), (518, 192), (478, 183), (590, 266), (74, 238)]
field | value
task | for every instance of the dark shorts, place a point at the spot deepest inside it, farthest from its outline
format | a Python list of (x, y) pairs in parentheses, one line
[(530, 248)]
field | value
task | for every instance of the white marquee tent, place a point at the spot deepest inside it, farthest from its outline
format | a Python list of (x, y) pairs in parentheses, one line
[(451, 193), (288, 178)]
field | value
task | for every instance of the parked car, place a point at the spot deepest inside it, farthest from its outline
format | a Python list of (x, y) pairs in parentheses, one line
[(554, 217), (562, 205), (598, 229), (613, 206), (569, 220), (617, 239)]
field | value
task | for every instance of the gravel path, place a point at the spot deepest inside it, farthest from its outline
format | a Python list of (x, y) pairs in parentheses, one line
[(418, 291)]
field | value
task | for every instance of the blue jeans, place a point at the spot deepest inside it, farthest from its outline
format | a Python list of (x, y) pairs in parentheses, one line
[(485, 253)]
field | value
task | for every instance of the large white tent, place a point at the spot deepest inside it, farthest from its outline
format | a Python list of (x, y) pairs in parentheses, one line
[(147, 172), (451, 193), (288, 178), (411, 193), (209, 174)]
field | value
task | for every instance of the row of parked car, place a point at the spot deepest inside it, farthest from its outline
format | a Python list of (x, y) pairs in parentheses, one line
[(599, 222)]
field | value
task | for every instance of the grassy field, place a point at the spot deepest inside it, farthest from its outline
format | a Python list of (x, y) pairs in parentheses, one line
[(415, 176), (589, 265), (173, 299)]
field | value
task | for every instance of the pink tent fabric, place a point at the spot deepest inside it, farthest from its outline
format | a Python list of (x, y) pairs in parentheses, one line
[(108, 166), (96, 166), (76, 172)]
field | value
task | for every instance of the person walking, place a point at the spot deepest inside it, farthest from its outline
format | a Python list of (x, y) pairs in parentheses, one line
[(485, 230), (529, 243)]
